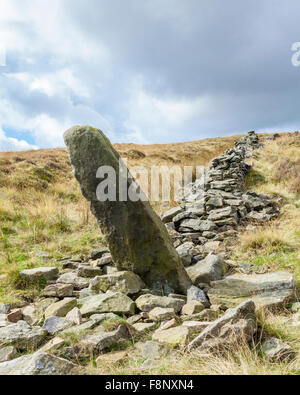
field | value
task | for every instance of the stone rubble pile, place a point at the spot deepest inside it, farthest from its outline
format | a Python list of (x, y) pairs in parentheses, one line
[(101, 306)]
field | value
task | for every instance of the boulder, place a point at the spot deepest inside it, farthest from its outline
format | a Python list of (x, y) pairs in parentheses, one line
[(22, 336), (40, 274), (186, 252), (107, 303), (125, 282), (208, 270), (149, 302), (38, 364), (138, 240), (236, 325), (268, 291)]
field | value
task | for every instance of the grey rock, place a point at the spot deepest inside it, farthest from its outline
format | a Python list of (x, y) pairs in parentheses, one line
[(40, 273), (149, 302), (208, 270), (125, 282), (236, 324), (88, 271), (98, 253), (107, 303), (268, 291), (72, 278), (159, 314), (197, 294), (170, 214), (154, 350), (54, 325), (58, 290), (141, 244), (22, 336), (5, 308), (101, 340)]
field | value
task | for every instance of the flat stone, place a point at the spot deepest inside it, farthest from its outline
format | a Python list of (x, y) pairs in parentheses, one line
[(38, 364), (40, 273), (54, 325), (107, 303), (22, 336), (159, 314), (208, 270), (125, 282), (58, 290), (61, 308), (268, 291), (148, 302), (72, 278)]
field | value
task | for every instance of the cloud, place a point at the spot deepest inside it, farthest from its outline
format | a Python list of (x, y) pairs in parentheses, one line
[(13, 144), (148, 71)]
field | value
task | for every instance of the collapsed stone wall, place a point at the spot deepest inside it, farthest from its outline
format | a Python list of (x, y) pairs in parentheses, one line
[(215, 206)]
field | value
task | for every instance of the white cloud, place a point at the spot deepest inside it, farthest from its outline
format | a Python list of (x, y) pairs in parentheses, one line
[(13, 144)]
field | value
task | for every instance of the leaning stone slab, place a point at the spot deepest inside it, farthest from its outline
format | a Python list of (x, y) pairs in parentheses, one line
[(138, 240), (38, 364), (107, 303), (268, 291), (235, 324), (40, 273)]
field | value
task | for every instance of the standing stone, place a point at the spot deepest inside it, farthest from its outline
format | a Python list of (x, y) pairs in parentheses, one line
[(137, 238)]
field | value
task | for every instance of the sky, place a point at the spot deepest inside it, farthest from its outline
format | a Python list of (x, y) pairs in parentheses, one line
[(146, 71)]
